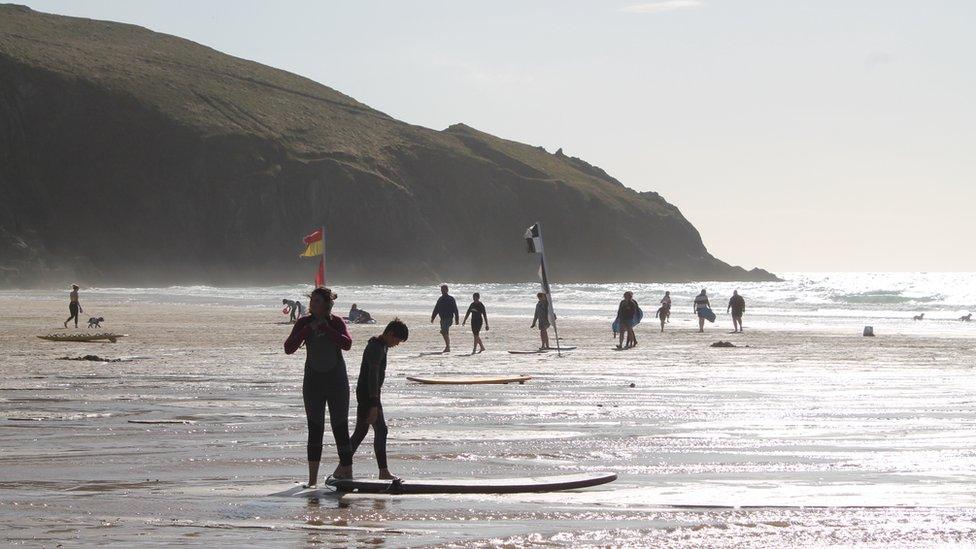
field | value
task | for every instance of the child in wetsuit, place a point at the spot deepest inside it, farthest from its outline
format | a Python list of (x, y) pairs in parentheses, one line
[(369, 410)]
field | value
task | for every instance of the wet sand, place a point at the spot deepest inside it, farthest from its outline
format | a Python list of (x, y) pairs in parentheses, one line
[(790, 438)]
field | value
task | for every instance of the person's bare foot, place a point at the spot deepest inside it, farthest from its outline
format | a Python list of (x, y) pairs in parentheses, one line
[(385, 474), (342, 472), (65, 323)]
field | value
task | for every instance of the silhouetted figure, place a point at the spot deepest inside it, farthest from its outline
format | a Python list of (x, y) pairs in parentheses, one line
[(541, 319), (479, 316), (74, 306), (738, 306), (446, 308)]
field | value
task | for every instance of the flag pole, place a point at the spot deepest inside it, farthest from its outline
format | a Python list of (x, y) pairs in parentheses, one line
[(548, 290), (322, 259)]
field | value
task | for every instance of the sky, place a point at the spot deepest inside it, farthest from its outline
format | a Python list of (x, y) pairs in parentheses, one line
[(819, 135)]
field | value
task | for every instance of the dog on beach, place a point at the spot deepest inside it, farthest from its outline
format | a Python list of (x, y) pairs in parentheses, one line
[(95, 322), (966, 318), (919, 317)]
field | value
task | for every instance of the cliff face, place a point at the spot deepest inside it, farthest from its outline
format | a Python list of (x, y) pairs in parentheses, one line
[(128, 156)]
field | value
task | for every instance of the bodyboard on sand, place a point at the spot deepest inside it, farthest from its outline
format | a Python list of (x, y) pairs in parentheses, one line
[(107, 336), (615, 326), (539, 351), (474, 486), (469, 380)]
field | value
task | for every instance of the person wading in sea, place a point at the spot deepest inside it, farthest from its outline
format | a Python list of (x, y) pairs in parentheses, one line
[(446, 308), (478, 316), (74, 307), (325, 383), (738, 306)]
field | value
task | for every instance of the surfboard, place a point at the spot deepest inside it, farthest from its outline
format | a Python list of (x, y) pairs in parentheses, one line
[(107, 336), (469, 380), (470, 486), (708, 314), (431, 353), (615, 326), (539, 351)]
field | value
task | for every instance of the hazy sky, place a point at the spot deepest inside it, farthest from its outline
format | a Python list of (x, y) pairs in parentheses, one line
[(818, 135)]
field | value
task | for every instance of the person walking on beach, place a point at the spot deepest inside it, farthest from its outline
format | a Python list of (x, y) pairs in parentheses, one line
[(541, 319), (74, 307), (446, 308), (626, 314), (664, 311), (295, 309), (325, 383), (478, 316), (738, 306), (369, 409), (703, 309)]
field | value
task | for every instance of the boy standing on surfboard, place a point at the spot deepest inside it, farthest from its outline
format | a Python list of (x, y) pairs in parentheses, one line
[(369, 411)]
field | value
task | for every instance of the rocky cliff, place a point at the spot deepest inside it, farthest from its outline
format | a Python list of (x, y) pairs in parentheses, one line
[(129, 156)]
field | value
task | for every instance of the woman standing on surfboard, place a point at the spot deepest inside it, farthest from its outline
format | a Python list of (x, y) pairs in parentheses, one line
[(541, 319), (478, 316), (326, 383)]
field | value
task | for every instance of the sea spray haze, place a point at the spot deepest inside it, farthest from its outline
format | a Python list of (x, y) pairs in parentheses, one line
[(138, 158)]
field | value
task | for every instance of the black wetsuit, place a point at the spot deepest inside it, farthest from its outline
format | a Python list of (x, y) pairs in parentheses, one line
[(738, 306), (325, 383), (478, 314), (372, 372), (626, 313)]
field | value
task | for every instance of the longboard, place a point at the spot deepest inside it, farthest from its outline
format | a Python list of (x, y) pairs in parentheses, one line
[(469, 380), (469, 486), (615, 326), (107, 336), (540, 351)]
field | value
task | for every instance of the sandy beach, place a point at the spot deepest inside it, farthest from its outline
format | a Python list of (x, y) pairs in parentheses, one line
[(792, 437)]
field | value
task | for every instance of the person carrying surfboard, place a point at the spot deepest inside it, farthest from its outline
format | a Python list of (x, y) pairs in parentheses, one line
[(541, 319), (446, 308), (626, 313), (325, 382), (369, 409), (74, 307), (738, 306), (478, 316), (704, 310)]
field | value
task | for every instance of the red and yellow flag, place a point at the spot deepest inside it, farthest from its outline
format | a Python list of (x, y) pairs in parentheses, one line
[(314, 245)]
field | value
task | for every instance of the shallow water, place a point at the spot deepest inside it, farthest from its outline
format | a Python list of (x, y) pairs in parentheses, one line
[(795, 437)]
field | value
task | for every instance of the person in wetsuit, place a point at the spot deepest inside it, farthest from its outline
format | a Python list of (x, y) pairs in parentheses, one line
[(664, 312), (738, 306), (369, 409), (478, 316), (74, 307), (541, 318), (626, 312), (446, 308), (701, 305), (293, 307), (325, 383)]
